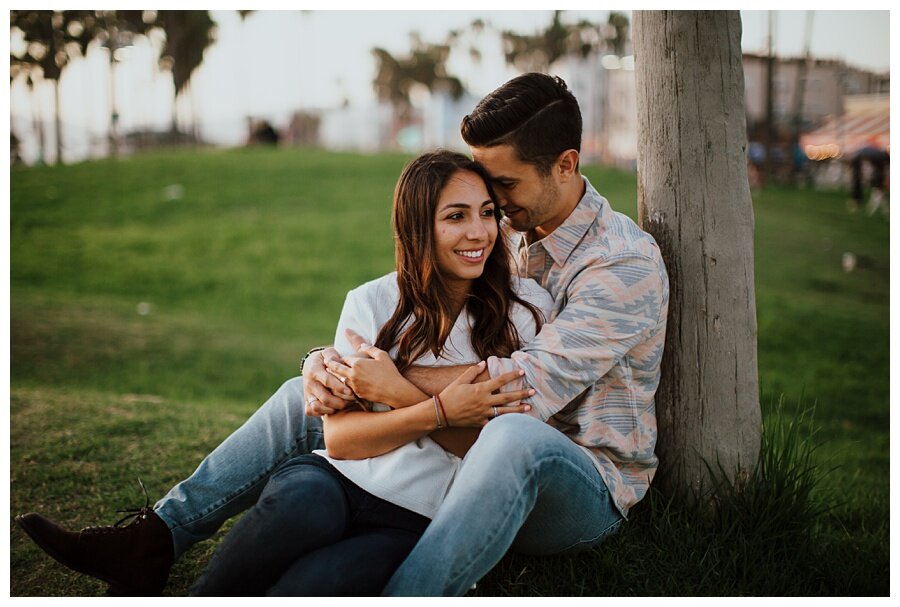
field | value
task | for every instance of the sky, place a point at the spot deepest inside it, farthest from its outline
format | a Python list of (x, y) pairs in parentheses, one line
[(317, 59), (861, 38)]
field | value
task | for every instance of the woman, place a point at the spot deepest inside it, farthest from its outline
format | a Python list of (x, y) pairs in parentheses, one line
[(341, 521)]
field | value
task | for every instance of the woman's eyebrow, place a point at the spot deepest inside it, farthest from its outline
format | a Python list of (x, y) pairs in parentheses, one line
[(463, 205)]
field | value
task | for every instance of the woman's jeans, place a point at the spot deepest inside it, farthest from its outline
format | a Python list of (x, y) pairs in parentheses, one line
[(344, 541), (523, 485)]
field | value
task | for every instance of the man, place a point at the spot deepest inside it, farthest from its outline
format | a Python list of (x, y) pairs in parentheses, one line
[(558, 480)]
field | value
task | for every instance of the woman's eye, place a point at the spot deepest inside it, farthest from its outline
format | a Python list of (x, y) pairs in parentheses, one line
[(455, 216), (488, 212)]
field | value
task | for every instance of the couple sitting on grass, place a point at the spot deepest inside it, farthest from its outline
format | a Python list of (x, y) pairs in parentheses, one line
[(495, 392)]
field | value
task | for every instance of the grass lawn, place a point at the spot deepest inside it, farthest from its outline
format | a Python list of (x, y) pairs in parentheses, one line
[(156, 301)]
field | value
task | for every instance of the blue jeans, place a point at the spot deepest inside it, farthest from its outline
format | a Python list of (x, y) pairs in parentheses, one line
[(523, 485), (344, 541), (521, 468), (230, 479)]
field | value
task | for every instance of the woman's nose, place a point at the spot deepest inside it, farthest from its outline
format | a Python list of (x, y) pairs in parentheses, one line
[(476, 231)]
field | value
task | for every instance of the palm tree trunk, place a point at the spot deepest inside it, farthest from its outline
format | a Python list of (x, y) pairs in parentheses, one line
[(58, 119), (38, 125)]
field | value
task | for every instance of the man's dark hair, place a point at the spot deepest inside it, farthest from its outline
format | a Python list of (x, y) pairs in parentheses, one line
[(535, 113)]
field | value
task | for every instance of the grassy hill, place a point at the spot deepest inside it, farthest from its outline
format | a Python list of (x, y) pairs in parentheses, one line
[(156, 301)]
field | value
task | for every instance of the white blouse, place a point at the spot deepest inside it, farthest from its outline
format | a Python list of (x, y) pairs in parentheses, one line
[(417, 475)]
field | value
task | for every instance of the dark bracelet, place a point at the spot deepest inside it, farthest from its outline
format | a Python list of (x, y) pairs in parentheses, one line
[(303, 360), (437, 399)]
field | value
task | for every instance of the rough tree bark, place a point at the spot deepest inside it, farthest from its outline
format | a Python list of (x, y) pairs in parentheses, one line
[(694, 198)]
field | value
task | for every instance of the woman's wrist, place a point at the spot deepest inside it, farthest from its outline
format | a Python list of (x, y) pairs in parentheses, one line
[(403, 393), (428, 415)]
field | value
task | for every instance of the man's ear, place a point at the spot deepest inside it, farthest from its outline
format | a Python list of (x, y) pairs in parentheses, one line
[(567, 165)]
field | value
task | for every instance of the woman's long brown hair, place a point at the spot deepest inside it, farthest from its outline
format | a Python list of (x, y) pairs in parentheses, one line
[(425, 314)]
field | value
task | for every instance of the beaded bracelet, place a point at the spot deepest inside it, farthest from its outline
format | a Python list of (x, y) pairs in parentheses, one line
[(307, 355)]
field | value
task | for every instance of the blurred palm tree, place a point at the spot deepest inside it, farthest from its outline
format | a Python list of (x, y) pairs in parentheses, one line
[(425, 66), (188, 35), (114, 30), (53, 38), (538, 52), (248, 118)]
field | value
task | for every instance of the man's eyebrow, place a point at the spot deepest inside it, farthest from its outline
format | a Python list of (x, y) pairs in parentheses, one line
[(504, 179)]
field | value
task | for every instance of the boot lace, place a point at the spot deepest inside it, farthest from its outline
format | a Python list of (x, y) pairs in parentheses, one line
[(135, 515)]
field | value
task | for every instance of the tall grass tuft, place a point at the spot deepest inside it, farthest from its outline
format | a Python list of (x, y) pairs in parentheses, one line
[(774, 508)]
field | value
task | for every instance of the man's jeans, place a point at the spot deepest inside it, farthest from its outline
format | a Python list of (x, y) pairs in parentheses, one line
[(523, 485), (232, 477)]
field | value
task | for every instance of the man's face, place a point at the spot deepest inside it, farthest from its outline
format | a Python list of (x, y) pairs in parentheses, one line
[(528, 198)]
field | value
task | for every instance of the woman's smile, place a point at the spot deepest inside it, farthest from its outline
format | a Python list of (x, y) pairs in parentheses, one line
[(471, 255)]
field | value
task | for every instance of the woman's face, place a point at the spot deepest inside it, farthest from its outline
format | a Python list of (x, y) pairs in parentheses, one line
[(465, 228)]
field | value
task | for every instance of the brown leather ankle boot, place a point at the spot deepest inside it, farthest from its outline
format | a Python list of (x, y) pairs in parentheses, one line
[(133, 559)]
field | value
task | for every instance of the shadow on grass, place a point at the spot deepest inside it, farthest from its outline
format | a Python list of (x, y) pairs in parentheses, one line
[(773, 535)]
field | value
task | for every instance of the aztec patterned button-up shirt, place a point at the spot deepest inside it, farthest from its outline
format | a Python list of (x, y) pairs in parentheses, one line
[(595, 364)]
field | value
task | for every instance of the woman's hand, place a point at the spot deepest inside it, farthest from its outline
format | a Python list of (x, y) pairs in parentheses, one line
[(474, 405)]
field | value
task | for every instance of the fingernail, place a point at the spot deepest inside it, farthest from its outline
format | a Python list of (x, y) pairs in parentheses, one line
[(481, 365), (521, 372), (531, 392), (528, 407)]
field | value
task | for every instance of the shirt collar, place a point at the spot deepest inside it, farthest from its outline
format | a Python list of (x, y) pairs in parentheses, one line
[(561, 242)]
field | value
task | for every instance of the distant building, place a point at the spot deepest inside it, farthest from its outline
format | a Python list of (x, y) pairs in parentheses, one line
[(825, 85), (355, 128), (866, 122), (441, 119), (605, 89)]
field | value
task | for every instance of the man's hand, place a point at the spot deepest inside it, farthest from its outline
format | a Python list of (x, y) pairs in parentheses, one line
[(373, 376), (323, 392)]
